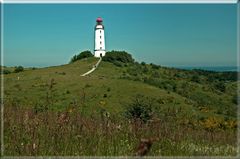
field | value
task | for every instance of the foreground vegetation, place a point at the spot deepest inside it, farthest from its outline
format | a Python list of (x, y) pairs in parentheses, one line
[(70, 133), (55, 111)]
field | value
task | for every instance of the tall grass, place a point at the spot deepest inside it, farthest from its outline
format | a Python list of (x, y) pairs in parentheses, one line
[(68, 133)]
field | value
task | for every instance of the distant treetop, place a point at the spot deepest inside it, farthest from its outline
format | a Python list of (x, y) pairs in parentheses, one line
[(120, 56), (18, 69), (81, 55)]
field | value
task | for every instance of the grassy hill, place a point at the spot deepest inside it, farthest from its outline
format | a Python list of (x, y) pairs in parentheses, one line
[(189, 112), (68, 86)]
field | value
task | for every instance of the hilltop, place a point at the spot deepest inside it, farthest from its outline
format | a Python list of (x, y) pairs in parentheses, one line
[(197, 99)]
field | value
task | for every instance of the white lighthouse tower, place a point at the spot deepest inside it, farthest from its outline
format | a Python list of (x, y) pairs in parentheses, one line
[(99, 50)]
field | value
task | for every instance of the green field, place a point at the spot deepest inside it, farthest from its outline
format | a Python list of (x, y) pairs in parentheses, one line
[(55, 111)]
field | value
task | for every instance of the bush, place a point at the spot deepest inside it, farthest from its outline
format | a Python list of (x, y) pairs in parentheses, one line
[(105, 95), (235, 99), (67, 92), (120, 56), (81, 55), (136, 70), (3, 70), (195, 78), (155, 74), (118, 64), (154, 66), (145, 69), (6, 72), (18, 69), (220, 86), (140, 108)]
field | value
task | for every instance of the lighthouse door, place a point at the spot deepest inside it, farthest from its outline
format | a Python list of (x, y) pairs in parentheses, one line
[(100, 54)]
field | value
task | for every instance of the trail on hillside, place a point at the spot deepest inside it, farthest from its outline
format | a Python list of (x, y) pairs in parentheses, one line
[(94, 67)]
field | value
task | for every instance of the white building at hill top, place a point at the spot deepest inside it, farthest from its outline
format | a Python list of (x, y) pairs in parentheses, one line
[(99, 47)]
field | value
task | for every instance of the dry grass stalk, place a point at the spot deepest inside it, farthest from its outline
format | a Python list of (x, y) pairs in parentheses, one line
[(145, 146)]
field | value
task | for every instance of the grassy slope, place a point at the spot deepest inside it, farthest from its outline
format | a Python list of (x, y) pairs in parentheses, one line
[(33, 85), (103, 89)]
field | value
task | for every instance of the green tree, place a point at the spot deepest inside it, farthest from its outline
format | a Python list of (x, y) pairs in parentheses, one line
[(18, 69), (81, 55), (3, 70), (6, 72), (120, 56)]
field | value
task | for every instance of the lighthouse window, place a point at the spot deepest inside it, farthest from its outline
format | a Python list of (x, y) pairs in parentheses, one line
[(100, 42), (100, 31), (100, 37), (100, 48)]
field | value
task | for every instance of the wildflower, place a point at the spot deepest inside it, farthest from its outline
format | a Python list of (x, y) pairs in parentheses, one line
[(26, 118), (103, 103), (118, 127), (63, 118), (232, 124), (70, 110), (34, 146)]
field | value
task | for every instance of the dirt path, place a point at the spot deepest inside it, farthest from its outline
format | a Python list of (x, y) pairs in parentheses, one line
[(93, 69)]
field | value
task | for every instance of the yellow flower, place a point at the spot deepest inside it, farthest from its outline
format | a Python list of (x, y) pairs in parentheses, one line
[(102, 103), (70, 110), (212, 123), (232, 124)]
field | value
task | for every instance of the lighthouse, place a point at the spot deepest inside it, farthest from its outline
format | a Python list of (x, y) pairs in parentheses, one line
[(99, 47)]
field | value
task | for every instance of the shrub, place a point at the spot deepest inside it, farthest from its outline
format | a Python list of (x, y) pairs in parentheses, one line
[(81, 55), (61, 73), (118, 64), (18, 69), (120, 56), (155, 74), (135, 70), (139, 108), (105, 95), (136, 63), (169, 85), (39, 107), (235, 99), (155, 66), (212, 123), (220, 86), (6, 72), (145, 69), (87, 85), (67, 92), (195, 78)]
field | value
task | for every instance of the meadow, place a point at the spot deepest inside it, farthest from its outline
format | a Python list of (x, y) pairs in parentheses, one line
[(54, 111)]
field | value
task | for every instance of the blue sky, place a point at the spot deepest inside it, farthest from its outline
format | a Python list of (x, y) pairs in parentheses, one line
[(166, 34)]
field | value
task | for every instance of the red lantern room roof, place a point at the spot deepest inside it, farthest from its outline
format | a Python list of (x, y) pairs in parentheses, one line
[(99, 19)]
